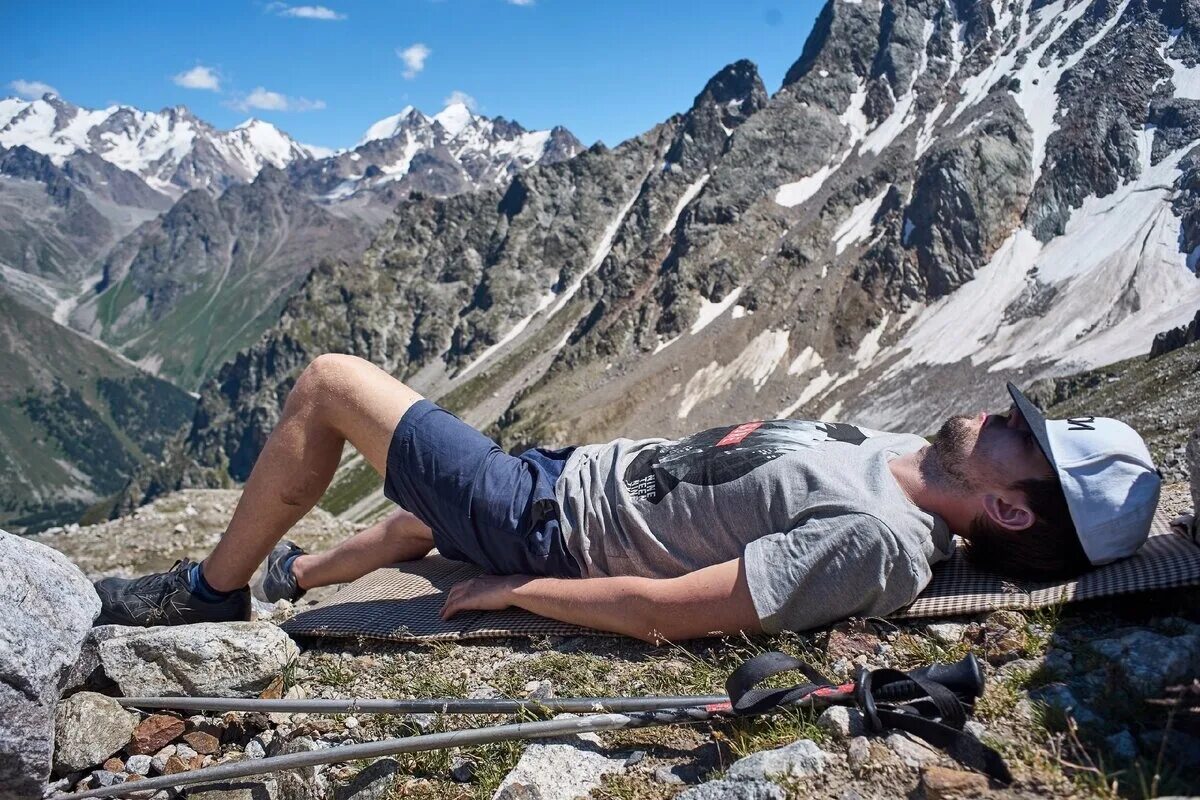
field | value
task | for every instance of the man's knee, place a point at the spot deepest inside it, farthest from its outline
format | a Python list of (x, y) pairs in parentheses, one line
[(327, 378)]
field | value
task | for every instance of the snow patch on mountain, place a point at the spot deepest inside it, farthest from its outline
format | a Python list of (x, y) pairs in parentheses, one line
[(753, 365), (857, 226)]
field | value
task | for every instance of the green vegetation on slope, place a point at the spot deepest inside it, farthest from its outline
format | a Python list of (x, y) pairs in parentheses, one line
[(75, 420)]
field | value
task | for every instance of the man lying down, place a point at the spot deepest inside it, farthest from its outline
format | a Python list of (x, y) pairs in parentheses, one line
[(760, 527)]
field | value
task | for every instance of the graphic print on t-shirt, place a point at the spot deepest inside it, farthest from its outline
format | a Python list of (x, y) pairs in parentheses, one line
[(721, 455)]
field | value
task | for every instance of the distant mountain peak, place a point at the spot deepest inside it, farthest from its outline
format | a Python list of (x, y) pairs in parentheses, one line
[(172, 150), (454, 118)]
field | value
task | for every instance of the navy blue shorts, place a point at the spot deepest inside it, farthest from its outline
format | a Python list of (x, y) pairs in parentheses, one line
[(487, 507)]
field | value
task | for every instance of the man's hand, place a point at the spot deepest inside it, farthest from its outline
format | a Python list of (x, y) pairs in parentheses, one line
[(485, 593)]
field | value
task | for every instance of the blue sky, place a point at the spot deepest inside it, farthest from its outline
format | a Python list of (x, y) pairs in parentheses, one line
[(323, 72)]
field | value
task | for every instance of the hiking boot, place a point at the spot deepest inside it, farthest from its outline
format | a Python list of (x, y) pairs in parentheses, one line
[(165, 598), (277, 581)]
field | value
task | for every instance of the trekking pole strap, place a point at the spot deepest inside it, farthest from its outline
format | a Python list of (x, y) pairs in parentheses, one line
[(747, 699), (888, 698)]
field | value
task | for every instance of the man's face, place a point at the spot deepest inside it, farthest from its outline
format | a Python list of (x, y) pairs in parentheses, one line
[(989, 451)]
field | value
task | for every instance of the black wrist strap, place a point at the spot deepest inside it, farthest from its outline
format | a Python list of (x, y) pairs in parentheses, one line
[(889, 700)]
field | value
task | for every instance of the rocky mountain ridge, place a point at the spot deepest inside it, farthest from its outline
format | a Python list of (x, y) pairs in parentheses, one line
[(171, 150), (176, 244), (188, 289), (940, 197), (449, 153)]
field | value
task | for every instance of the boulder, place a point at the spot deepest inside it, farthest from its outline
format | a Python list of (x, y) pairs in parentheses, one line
[(231, 659), (557, 769), (88, 728), (800, 759), (47, 607), (85, 673), (1150, 661)]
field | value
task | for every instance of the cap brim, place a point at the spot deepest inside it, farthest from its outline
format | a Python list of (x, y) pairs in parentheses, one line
[(1036, 421)]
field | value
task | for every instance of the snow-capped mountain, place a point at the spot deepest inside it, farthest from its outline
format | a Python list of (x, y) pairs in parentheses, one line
[(453, 151), (942, 195), (171, 150)]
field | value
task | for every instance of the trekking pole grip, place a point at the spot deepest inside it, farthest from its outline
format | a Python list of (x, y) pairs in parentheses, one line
[(963, 677)]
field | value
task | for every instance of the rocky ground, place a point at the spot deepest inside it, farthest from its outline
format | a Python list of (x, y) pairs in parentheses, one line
[(1069, 698)]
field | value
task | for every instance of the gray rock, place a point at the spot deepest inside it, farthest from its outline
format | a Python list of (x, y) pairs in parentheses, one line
[(947, 633), (1058, 662), (1059, 696), (462, 770), (47, 607), (1021, 668), (557, 770), (88, 728), (139, 765), (1149, 661), (975, 728), (859, 752), (668, 775), (800, 759), (1179, 749), (86, 673), (910, 751), (158, 762), (372, 783), (422, 722), (236, 659), (841, 722), (1122, 746), (305, 783), (735, 790), (255, 749), (103, 777)]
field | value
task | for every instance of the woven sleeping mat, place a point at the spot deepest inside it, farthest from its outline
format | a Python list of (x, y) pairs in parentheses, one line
[(402, 603)]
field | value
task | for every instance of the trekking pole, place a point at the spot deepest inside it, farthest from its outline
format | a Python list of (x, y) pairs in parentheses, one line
[(963, 677), (445, 705), (966, 675), (408, 744)]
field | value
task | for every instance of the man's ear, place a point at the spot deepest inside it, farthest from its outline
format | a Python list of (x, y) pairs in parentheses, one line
[(1008, 510)]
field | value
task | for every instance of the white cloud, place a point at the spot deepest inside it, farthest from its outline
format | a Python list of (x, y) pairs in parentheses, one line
[(520, 2), (199, 77), (413, 57), (31, 90), (265, 100), (458, 96), (306, 12)]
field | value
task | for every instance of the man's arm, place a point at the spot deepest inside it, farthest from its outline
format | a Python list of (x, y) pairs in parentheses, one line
[(713, 600)]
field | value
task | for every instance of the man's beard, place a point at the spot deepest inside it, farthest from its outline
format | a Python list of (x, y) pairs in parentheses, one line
[(948, 465)]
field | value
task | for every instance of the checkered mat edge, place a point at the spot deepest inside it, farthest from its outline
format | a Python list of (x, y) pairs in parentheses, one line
[(403, 603)]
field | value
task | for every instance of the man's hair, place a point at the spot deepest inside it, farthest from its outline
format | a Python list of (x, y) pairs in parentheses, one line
[(1049, 549)]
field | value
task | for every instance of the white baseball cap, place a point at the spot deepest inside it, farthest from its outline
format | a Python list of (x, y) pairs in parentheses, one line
[(1107, 475)]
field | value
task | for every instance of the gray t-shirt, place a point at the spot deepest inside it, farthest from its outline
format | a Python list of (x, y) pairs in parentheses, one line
[(824, 529)]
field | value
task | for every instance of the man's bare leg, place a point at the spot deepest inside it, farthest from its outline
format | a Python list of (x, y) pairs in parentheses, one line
[(336, 399), (400, 537)]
